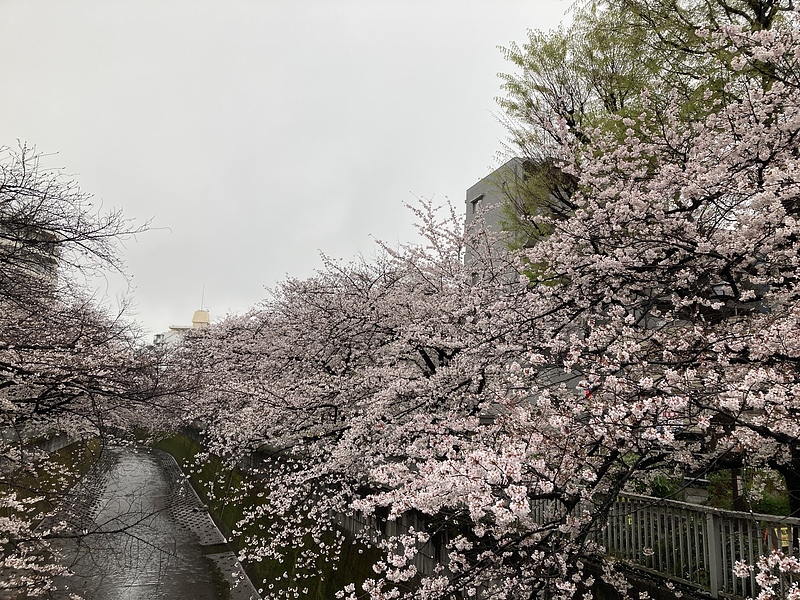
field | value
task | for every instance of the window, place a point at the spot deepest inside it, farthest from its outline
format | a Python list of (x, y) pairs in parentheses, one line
[(475, 203)]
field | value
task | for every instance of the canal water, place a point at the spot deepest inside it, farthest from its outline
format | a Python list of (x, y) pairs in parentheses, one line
[(146, 534)]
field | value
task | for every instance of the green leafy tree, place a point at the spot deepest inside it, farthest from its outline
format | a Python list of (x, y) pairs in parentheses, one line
[(619, 59)]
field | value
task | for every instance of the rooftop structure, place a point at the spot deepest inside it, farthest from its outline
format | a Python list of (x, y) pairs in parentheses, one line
[(200, 319)]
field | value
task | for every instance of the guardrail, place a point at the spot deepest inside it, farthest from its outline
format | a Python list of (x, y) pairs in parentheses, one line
[(695, 545), (428, 557), (691, 544)]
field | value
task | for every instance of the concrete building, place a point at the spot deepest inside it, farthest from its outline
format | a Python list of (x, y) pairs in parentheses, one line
[(487, 207), (201, 318), (486, 198), (499, 207), (485, 203)]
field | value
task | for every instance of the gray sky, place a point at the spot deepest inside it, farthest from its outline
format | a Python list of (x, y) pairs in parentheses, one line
[(256, 134)]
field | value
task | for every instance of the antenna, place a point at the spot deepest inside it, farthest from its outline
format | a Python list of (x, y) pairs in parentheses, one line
[(202, 297)]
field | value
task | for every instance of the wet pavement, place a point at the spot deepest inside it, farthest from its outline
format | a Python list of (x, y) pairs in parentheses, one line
[(147, 532)]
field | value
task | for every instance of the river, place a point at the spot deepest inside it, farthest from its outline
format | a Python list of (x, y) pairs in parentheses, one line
[(147, 532)]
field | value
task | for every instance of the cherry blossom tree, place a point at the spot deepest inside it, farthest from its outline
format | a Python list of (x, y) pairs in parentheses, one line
[(683, 253), (68, 367), (511, 412)]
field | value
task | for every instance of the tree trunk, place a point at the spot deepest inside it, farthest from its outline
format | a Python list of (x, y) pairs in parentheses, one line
[(791, 475)]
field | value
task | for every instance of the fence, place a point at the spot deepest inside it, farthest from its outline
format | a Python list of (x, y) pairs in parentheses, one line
[(428, 557), (695, 545)]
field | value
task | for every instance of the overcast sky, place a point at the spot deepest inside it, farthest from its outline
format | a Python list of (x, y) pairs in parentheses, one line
[(256, 134)]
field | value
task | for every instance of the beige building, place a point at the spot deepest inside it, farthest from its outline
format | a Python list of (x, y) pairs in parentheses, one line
[(201, 318)]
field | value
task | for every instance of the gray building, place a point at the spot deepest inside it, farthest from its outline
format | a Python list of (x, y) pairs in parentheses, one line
[(487, 203), (29, 256)]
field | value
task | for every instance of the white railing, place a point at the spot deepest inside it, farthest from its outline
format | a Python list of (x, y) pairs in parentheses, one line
[(692, 544), (428, 557)]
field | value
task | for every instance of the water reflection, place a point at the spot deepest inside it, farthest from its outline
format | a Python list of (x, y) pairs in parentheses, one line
[(136, 548)]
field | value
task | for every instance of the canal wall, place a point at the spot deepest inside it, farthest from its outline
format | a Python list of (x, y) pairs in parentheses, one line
[(353, 564)]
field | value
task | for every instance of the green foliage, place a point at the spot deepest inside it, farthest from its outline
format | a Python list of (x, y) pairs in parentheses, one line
[(765, 491), (48, 477), (618, 58), (663, 486), (533, 200), (226, 505), (582, 76), (596, 68)]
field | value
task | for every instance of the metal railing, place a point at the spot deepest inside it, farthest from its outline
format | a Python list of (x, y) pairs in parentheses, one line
[(371, 528), (691, 544), (695, 545)]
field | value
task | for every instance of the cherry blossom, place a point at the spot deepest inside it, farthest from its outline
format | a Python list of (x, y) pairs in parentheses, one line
[(506, 403)]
